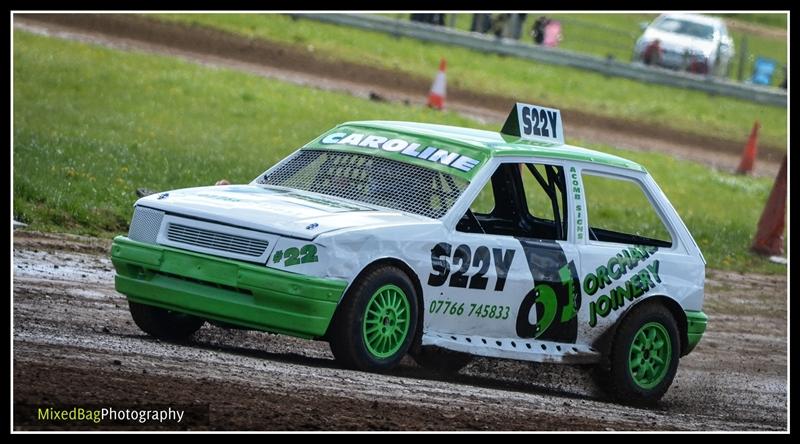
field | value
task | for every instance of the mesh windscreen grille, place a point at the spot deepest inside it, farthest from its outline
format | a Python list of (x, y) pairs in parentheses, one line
[(369, 179), (145, 225)]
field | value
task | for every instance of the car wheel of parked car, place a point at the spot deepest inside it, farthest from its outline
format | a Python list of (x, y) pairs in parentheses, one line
[(164, 324), (440, 360), (376, 321), (644, 355)]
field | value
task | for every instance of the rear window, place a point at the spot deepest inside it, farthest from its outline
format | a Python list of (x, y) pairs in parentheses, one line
[(369, 179), (619, 211)]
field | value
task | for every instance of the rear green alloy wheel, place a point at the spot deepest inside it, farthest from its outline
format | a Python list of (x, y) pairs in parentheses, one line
[(386, 321), (644, 355), (650, 355)]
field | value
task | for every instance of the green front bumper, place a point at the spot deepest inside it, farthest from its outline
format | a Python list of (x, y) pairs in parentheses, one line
[(696, 322), (226, 290)]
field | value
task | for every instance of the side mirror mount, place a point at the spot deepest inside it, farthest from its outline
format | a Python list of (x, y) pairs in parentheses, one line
[(726, 45)]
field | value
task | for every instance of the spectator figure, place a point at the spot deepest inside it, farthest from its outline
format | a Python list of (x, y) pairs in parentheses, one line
[(433, 19), (652, 54), (508, 25), (499, 22), (481, 23), (422, 18), (698, 65), (552, 33), (538, 29), (515, 26), (419, 18)]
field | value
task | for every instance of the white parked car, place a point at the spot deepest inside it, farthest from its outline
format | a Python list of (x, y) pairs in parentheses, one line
[(690, 42), (387, 238)]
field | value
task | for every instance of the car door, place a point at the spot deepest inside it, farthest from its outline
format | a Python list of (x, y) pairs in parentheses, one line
[(507, 267), (629, 248), (478, 270), (549, 310)]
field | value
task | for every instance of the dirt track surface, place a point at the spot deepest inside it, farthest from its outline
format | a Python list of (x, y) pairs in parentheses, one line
[(76, 344), (772, 32), (297, 65)]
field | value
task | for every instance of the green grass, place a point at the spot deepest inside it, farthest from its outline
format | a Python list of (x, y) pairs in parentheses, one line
[(563, 87), (93, 124)]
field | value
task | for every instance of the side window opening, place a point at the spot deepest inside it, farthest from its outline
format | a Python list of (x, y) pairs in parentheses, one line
[(545, 194), (521, 200), (483, 205), (619, 211)]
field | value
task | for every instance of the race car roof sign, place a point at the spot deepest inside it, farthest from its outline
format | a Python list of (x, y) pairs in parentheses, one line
[(533, 122)]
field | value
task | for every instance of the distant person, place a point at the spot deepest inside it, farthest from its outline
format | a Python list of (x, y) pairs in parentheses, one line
[(538, 29), (515, 25), (422, 18), (481, 23), (433, 19), (499, 22), (552, 33), (652, 54), (698, 65)]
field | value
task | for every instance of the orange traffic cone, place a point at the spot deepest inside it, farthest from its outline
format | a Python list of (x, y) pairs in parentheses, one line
[(749, 154), (438, 89), (769, 237)]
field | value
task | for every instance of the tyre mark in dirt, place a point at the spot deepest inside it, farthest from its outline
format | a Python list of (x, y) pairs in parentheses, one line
[(75, 343), (290, 63)]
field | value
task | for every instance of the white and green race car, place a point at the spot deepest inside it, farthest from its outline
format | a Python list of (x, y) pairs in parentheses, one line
[(386, 238)]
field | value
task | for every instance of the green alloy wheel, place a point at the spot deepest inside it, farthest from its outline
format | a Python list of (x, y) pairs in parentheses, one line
[(386, 321), (650, 355), (644, 356), (376, 322)]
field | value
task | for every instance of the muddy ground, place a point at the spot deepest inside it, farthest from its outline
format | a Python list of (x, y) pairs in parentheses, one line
[(74, 343), (294, 63)]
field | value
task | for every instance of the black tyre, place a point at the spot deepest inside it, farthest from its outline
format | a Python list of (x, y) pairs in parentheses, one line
[(164, 324), (601, 376), (376, 321), (440, 360), (644, 356)]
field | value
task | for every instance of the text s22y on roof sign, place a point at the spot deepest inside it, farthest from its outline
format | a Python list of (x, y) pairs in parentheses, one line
[(536, 123)]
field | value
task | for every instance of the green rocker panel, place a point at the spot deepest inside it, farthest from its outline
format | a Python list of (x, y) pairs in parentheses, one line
[(696, 322), (226, 290)]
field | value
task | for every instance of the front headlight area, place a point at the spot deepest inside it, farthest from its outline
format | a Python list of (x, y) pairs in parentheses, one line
[(145, 225), (299, 256)]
